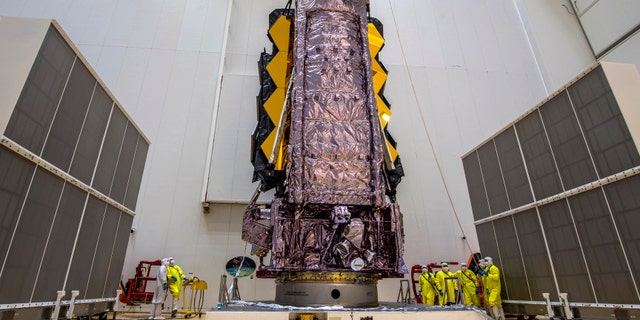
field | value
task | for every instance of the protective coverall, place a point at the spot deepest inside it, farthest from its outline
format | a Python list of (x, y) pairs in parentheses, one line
[(429, 287), (160, 291), (449, 287), (174, 279), (492, 288), (469, 283)]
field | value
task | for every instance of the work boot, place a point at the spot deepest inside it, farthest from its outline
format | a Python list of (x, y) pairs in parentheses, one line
[(495, 310), (174, 312)]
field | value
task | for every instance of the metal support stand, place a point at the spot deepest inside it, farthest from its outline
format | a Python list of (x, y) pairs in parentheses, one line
[(235, 291), (567, 309), (460, 297), (223, 295), (56, 308), (550, 312), (404, 295), (74, 294)]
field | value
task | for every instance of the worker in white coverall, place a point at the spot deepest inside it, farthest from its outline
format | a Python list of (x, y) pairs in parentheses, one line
[(160, 292), (492, 289)]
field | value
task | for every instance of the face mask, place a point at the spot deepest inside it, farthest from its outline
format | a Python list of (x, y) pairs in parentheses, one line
[(464, 268), (445, 268), (424, 270)]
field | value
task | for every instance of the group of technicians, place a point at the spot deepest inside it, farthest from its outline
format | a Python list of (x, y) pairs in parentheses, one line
[(444, 285), (168, 278)]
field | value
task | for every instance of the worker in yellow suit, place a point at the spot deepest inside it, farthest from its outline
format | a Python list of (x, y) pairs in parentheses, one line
[(492, 288), (469, 283), (429, 287), (174, 279), (449, 287)]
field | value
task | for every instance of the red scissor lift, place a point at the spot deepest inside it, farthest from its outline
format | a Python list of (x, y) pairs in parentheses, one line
[(135, 292)]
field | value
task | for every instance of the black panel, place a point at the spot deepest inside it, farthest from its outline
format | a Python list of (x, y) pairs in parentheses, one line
[(100, 265), (605, 128), (567, 142), (478, 197), (487, 240), (69, 118), (538, 157), (608, 268), (63, 234), (125, 161), (27, 248), (624, 199), (513, 273), (493, 181), (137, 169), (568, 260), (15, 176), (86, 246), (119, 251), (86, 155), (110, 152), (32, 116), (535, 256), (513, 171)]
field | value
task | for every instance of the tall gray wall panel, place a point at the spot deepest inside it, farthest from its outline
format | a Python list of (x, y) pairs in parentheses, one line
[(32, 116), (624, 199), (534, 255), (30, 238), (475, 184), (576, 155), (71, 164), (566, 253), (62, 236), (514, 173), (83, 255)]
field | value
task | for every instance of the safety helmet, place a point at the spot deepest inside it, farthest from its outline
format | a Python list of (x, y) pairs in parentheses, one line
[(444, 264), (489, 260)]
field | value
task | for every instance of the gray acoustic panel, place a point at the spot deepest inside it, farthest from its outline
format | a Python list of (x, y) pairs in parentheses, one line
[(494, 184), (487, 239), (67, 123), (568, 260), (60, 243), (602, 248), (15, 178), (125, 161), (512, 269), (86, 247), (538, 156), (119, 250), (567, 142), (103, 254), (513, 170), (475, 184), (29, 242), (535, 256), (33, 113), (624, 199), (86, 155), (137, 168), (607, 133), (110, 152)]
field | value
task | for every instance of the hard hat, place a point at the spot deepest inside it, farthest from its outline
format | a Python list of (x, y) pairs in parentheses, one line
[(488, 259), (463, 264), (444, 264), (424, 266)]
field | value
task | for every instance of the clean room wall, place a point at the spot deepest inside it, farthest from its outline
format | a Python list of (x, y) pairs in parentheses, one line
[(458, 71)]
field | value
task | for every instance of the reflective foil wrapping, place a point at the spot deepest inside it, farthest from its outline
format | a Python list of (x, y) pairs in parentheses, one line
[(335, 154), (332, 215)]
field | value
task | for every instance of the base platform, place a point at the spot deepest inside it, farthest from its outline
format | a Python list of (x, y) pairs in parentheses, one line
[(385, 311)]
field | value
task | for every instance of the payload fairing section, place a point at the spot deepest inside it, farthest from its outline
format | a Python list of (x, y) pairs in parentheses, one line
[(334, 228)]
